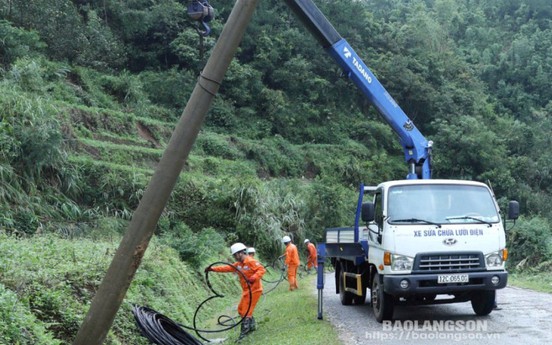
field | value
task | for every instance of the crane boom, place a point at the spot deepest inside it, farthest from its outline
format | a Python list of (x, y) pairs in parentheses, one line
[(417, 149)]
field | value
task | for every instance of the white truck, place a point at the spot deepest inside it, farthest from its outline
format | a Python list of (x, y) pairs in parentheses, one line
[(421, 242)]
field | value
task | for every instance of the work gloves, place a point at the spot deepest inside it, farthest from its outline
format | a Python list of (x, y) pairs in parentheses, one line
[(208, 269), (251, 280)]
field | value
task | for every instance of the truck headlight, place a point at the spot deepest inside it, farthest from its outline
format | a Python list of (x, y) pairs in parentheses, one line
[(494, 259), (401, 262)]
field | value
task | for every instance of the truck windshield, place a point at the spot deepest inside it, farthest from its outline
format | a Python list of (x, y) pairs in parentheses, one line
[(440, 204)]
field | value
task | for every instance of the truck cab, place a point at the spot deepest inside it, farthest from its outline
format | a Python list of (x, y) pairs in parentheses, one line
[(431, 241)]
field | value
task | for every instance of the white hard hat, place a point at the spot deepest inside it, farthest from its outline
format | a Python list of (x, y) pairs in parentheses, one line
[(286, 239), (250, 250), (237, 247), (306, 240)]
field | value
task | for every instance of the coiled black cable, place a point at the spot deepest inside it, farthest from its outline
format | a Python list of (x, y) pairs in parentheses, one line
[(161, 330)]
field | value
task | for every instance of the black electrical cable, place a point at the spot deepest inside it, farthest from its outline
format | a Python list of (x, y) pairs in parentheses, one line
[(277, 264), (161, 330), (281, 269), (218, 295)]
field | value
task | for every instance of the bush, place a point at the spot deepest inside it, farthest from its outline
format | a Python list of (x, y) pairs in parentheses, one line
[(276, 157), (30, 132), (17, 43), (204, 203), (218, 145), (194, 248), (530, 240), (266, 212), (169, 89), (19, 325)]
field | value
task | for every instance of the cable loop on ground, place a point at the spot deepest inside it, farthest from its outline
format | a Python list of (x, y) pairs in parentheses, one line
[(161, 330)]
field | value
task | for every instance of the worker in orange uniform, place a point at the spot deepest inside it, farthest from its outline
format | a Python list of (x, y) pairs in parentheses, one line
[(252, 271), (292, 262), (251, 251), (312, 254)]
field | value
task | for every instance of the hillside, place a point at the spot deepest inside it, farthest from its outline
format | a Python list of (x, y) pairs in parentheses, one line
[(91, 91), (47, 283)]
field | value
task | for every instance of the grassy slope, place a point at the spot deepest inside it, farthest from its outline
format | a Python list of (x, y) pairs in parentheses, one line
[(289, 318), (534, 281), (50, 281)]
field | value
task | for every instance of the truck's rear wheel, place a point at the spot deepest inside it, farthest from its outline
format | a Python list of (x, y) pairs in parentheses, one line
[(346, 297), (483, 302), (382, 303)]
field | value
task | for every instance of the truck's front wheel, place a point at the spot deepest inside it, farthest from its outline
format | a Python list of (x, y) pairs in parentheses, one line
[(483, 302), (382, 303)]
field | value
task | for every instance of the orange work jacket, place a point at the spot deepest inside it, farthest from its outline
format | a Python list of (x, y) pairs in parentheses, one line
[(250, 268), (312, 252), (292, 256)]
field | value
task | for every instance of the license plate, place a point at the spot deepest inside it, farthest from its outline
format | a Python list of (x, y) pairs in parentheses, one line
[(452, 278)]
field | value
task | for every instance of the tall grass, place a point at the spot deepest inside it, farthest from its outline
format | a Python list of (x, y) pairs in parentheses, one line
[(46, 284)]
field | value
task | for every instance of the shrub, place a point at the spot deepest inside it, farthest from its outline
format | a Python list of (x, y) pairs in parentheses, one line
[(217, 145), (35, 134), (19, 325), (204, 203), (530, 240), (17, 43), (170, 89), (194, 248), (266, 212)]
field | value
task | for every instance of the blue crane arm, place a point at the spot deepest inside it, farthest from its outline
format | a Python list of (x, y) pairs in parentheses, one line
[(417, 149)]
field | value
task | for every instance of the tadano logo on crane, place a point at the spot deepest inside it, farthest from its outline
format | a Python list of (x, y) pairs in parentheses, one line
[(347, 53)]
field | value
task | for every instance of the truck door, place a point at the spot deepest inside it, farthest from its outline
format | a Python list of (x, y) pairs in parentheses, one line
[(375, 230), (378, 217)]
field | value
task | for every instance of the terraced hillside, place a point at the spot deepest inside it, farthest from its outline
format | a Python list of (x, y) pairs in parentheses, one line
[(124, 141)]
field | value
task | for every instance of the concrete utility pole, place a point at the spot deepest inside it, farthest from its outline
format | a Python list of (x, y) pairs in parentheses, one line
[(114, 286)]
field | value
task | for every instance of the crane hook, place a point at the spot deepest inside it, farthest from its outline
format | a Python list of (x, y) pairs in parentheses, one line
[(201, 10)]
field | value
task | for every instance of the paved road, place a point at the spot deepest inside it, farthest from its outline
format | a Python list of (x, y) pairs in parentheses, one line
[(524, 317)]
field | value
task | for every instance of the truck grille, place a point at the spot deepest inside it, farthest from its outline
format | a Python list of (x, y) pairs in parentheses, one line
[(447, 262)]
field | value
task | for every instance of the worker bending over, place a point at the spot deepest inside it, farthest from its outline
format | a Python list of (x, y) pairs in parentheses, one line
[(252, 271), (312, 254)]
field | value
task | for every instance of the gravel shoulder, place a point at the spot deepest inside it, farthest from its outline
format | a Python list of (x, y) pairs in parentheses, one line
[(524, 316)]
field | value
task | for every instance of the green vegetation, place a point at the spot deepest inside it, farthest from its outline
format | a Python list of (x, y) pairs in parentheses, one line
[(47, 283), (288, 318), (534, 280), (90, 92)]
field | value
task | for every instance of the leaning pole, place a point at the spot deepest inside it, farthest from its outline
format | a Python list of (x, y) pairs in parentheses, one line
[(126, 261)]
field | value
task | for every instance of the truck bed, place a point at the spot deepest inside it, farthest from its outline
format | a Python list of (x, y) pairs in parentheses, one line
[(340, 235), (340, 242)]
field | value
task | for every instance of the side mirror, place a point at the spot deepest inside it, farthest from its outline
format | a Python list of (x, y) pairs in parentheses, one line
[(513, 209), (367, 212)]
